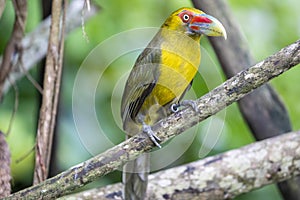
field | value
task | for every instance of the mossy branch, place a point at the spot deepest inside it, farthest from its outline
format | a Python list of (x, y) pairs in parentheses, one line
[(230, 91), (223, 176), (234, 55)]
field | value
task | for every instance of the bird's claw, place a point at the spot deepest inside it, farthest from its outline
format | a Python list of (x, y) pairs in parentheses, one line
[(174, 107), (147, 129), (191, 103)]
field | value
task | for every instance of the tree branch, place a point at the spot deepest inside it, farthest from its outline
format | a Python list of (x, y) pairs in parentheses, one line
[(51, 90), (2, 6), (35, 43), (209, 104), (14, 43), (234, 56), (223, 176), (5, 176)]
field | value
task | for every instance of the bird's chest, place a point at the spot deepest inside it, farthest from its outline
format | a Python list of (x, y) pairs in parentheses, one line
[(179, 66)]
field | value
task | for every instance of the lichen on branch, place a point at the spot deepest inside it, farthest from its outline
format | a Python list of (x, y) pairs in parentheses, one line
[(230, 91)]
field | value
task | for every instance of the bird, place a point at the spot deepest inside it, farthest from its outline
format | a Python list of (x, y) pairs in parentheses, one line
[(160, 77)]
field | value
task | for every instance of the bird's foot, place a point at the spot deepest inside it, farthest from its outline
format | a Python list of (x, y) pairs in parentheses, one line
[(147, 129), (174, 107), (191, 103)]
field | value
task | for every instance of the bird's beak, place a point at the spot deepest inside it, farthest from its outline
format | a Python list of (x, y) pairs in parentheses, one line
[(207, 25)]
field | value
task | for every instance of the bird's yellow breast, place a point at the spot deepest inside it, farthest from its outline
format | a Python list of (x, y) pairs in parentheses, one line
[(178, 65), (180, 59)]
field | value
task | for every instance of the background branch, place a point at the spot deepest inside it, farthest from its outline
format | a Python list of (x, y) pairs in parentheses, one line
[(22, 53), (52, 79), (234, 56), (209, 104), (35, 44), (14, 44), (5, 176), (2, 6), (223, 176)]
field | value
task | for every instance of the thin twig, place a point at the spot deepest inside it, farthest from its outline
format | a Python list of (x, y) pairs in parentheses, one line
[(87, 6), (16, 105), (25, 155), (31, 79), (14, 44)]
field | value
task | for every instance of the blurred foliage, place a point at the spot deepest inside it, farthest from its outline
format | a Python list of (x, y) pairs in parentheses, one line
[(267, 25)]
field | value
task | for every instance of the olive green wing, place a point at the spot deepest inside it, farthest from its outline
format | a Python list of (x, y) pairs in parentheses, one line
[(141, 81)]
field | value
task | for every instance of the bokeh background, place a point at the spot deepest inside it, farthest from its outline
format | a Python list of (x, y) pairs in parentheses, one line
[(267, 25)]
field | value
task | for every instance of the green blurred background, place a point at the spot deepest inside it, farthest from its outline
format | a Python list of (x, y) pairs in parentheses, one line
[(267, 25)]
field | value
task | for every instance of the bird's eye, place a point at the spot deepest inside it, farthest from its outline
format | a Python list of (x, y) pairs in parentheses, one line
[(185, 18)]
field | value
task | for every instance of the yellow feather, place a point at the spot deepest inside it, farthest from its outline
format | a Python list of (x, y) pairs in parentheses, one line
[(180, 59)]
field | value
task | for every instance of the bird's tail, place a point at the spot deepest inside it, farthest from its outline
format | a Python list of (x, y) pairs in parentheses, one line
[(135, 177)]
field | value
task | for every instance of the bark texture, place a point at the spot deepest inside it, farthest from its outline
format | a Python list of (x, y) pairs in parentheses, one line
[(5, 176), (234, 56), (51, 91), (223, 176), (209, 104)]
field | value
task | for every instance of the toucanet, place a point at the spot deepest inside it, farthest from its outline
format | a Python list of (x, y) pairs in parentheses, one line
[(160, 77)]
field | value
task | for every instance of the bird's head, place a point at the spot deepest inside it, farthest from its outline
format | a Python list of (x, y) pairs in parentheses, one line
[(195, 22)]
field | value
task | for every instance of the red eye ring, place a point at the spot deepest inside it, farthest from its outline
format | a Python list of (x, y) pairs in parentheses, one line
[(185, 18)]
